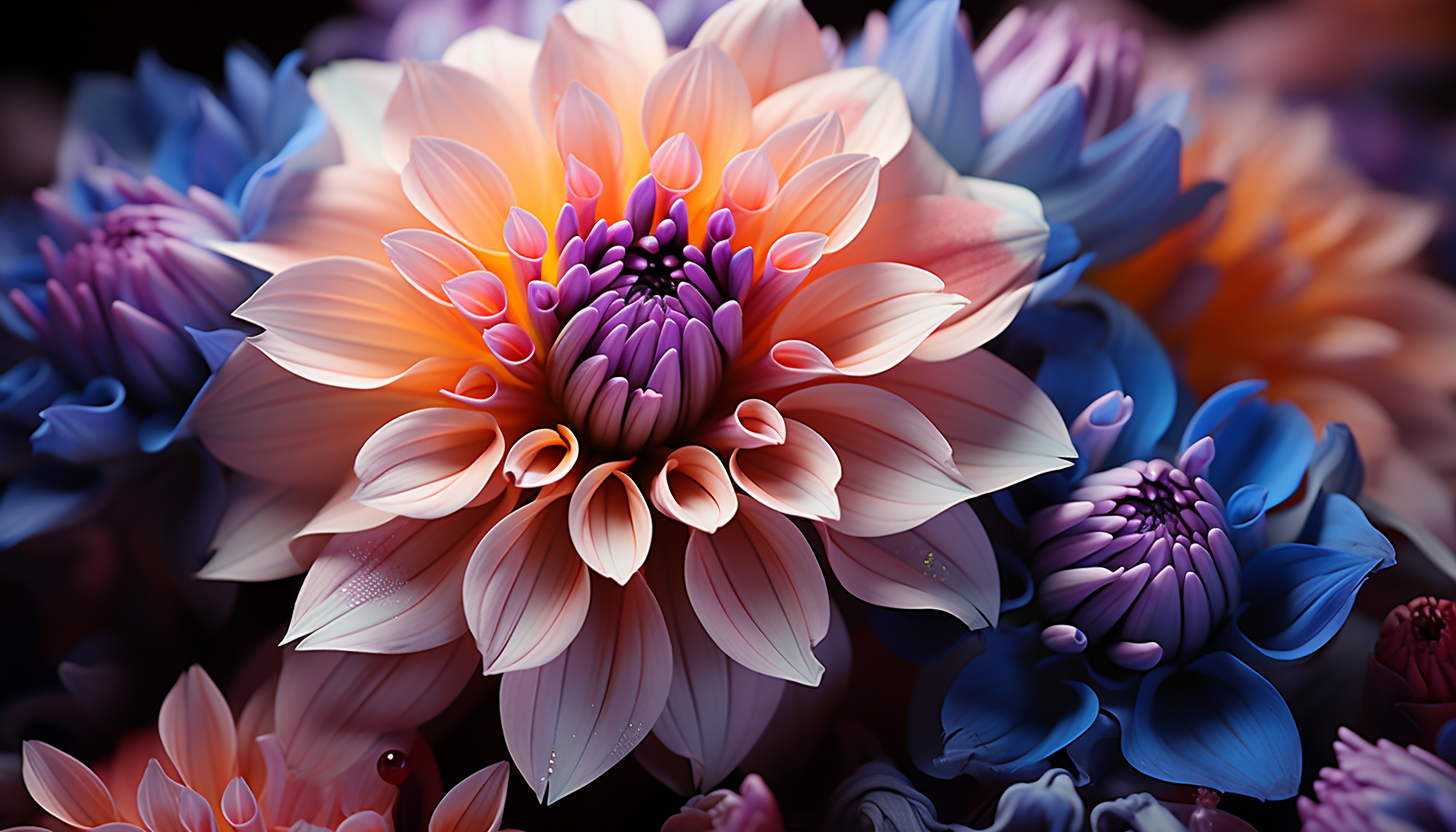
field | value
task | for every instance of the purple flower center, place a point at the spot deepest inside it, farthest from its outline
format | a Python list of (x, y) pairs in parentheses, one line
[(1139, 556)]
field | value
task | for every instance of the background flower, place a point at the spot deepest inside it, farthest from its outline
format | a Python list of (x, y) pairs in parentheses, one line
[(1380, 784)]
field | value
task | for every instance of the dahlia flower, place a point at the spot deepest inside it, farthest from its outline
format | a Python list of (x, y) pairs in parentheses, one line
[(1303, 275), (293, 759), (1151, 565), (581, 343), (1381, 786), (110, 279), (1411, 677), (1051, 103)]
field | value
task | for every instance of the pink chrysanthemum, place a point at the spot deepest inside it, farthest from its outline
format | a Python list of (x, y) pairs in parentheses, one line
[(679, 308)]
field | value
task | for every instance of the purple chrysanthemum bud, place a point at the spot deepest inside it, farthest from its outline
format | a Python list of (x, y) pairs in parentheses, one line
[(1381, 786), (122, 293), (1140, 556), (648, 321), (1418, 642)]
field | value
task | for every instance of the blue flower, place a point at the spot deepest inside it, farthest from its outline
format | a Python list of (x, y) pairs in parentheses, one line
[(1151, 574)]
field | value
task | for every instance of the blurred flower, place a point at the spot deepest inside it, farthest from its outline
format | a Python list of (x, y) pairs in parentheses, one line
[(288, 759), (714, 334), (1148, 573), (750, 809), (1302, 275), (876, 797), (1049, 103), (1381, 786), (1411, 679)]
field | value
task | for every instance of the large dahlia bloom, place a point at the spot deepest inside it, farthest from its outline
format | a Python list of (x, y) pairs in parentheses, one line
[(648, 326), (1303, 275), (1410, 682), (287, 762)]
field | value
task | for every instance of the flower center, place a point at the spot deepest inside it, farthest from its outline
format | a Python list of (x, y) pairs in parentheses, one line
[(1139, 554), (1418, 643), (650, 322), (1427, 624)]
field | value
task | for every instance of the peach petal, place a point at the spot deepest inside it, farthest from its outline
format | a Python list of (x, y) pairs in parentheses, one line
[(610, 523), (367, 821), (526, 590), (693, 488), (799, 144), (340, 515), (676, 166), (542, 457), (759, 593), (1001, 427), (65, 787), (753, 424), (352, 323), (749, 184), (833, 196), (251, 542), (774, 42), (160, 801), (797, 476), (700, 92), (197, 730), (429, 260), (500, 57), (429, 463), (898, 469), (869, 100), (717, 708), (568, 55), (353, 94), (476, 804), (945, 564), (569, 721), (240, 808), (867, 318), (621, 21), (586, 128), (459, 189)]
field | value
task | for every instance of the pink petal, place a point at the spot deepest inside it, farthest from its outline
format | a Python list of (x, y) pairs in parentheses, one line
[(500, 57), (339, 516), (759, 593), (569, 721), (693, 488), (364, 822), (393, 589), (717, 708), (796, 477), (159, 800), (251, 542), (700, 92), (197, 730), (459, 189), (610, 523), (754, 423), (774, 42), (869, 100), (264, 421), (945, 563), (338, 210), (331, 707), (1001, 427), (798, 144), (526, 590), (428, 259), (543, 456), (833, 196), (430, 463), (351, 323), (65, 787), (586, 127), (898, 469), (476, 804), (867, 318), (568, 55), (353, 95), (621, 21), (240, 808)]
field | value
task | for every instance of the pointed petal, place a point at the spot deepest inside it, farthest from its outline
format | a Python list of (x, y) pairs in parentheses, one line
[(526, 590), (867, 318), (833, 196), (476, 804), (693, 488), (700, 92), (568, 55), (621, 21), (796, 476), (251, 542), (501, 57), (159, 799), (610, 523), (1001, 427), (759, 593), (898, 469), (932, 58), (459, 189), (869, 100), (65, 787), (774, 42), (429, 463), (197, 730), (569, 721), (428, 259)]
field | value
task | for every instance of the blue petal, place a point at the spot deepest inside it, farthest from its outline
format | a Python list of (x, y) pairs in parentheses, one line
[(46, 498), (901, 11), (1017, 585), (90, 427), (1245, 514), (1059, 282), (1040, 147), (1051, 804), (1339, 524), (257, 194), (216, 345), (1214, 412), (28, 387), (1214, 723), (920, 636), (1062, 245), (1254, 441), (168, 96), (1002, 712), (106, 105), (1133, 238), (933, 61), (1117, 186), (248, 91), (217, 145), (1446, 742), (1144, 372), (1098, 752)]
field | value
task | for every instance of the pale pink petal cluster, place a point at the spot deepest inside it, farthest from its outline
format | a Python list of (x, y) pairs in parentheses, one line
[(632, 312)]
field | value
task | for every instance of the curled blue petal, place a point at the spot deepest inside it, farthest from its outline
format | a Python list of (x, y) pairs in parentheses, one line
[(1216, 410), (1002, 712), (1214, 723), (1062, 245), (1256, 441), (1244, 512), (1059, 282), (92, 426), (1040, 147), (1334, 467), (1017, 585), (45, 498), (216, 345), (1098, 751), (26, 388), (933, 61)]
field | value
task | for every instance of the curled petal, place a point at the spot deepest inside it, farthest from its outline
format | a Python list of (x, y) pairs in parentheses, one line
[(700, 92), (797, 476), (610, 523), (586, 128), (240, 807), (833, 196), (569, 721), (898, 469), (429, 259), (543, 456), (65, 787), (759, 593), (476, 804), (754, 423), (459, 189), (794, 146), (693, 488), (429, 463), (197, 730), (526, 589), (774, 42)]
